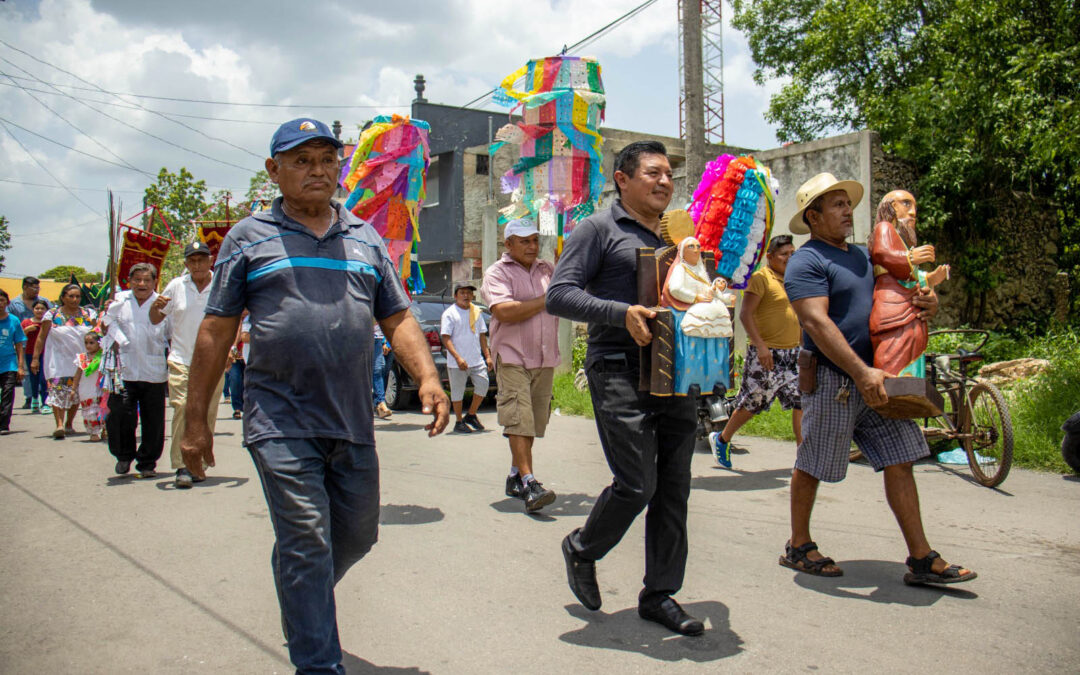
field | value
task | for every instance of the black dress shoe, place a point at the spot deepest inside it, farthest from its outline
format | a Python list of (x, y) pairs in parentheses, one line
[(670, 615), (581, 575)]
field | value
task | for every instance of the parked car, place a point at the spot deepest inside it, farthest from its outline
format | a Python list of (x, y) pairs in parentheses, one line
[(428, 310)]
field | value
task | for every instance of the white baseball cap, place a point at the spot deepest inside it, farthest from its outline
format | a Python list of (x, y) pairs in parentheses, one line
[(522, 227)]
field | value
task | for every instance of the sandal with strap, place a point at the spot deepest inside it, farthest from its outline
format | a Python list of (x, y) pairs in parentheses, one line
[(922, 572), (795, 558)]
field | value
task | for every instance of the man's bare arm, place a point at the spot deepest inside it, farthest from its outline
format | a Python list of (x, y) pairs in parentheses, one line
[(216, 335), (413, 353), (813, 314), (516, 311)]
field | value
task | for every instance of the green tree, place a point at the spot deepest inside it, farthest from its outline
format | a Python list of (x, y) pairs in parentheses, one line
[(262, 188), (5, 241), (180, 198), (982, 97), (64, 272)]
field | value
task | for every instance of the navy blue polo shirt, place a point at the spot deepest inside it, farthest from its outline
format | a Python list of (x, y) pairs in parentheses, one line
[(312, 303), (595, 279), (846, 278)]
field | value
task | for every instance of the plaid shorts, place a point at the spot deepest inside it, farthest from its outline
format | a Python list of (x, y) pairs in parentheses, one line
[(829, 426), (760, 386)]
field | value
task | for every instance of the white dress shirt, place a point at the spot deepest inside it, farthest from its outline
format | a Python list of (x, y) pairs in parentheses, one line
[(186, 309), (141, 343)]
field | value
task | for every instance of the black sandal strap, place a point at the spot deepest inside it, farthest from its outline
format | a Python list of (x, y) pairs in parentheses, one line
[(923, 565)]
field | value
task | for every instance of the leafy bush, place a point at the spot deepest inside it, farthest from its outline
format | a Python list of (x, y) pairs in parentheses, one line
[(568, 399), (1041, 405)]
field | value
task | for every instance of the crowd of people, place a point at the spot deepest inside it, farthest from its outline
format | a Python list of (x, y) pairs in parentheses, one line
[(309, 397)]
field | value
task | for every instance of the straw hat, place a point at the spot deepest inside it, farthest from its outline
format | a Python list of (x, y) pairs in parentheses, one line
[(814, 188)]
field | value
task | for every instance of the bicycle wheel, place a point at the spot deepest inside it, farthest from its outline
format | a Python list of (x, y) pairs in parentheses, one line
[(989, 446)]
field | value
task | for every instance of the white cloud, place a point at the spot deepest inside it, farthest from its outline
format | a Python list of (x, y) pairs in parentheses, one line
[(284, 53)]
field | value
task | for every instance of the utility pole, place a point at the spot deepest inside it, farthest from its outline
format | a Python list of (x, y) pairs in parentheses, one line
[(693, 91)]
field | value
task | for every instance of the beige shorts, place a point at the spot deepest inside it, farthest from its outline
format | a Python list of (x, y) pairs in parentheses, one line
[(524, 399)]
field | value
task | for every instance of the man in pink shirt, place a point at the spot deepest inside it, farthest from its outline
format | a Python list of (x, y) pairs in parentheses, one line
[(526, 345)]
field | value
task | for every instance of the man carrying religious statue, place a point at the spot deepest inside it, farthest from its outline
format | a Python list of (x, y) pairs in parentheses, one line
[(648, 440), (898, 334), (831, 287)]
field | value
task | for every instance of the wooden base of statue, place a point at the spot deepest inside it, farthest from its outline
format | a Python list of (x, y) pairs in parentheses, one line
[(658, 359), (911, 398)]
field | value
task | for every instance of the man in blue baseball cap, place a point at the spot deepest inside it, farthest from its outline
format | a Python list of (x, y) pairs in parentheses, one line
[(308, 420)]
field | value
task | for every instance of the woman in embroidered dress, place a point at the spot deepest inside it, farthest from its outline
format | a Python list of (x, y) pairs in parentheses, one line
[(88, 382), (63, 328)]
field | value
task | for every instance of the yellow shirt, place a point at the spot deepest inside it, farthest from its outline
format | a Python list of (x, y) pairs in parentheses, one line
[(776, 320)]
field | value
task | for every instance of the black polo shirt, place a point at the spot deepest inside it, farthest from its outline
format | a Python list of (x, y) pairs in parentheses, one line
[(595, 279)]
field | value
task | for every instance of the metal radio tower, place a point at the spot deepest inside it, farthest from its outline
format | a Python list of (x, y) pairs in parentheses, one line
[(711, 77)]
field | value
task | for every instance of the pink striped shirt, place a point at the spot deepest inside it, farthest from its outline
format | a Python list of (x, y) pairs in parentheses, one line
[(534, 342)]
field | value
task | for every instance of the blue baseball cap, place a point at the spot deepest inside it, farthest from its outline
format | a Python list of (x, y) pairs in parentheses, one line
[(299, 131)]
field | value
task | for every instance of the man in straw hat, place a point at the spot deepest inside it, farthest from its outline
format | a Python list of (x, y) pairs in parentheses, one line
[(831, 285)]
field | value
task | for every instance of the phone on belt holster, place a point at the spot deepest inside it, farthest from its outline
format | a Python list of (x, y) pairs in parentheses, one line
[(807, 371)]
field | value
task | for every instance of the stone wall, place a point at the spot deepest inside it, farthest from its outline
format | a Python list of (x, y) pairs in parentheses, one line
[(1031, 291)]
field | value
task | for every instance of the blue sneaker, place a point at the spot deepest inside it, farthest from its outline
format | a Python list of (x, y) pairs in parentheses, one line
[(45, 410), (721, 451)]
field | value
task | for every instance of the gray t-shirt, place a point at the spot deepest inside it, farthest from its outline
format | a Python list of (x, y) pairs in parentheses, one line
[(312, 303)]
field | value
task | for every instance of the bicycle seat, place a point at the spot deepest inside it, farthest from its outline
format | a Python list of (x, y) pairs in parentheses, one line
[(968, 357)]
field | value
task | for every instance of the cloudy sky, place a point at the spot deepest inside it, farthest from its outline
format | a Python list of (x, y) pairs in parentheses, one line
[(359, 56)]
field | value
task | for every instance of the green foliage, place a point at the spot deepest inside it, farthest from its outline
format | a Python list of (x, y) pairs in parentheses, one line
[(982, 97), (581, 346), (1041, 405), (181, 199), (5, 240), (262, 188), (64, 272), (568, 399)]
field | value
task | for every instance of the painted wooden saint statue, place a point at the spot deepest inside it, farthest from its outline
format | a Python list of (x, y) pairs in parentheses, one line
[(898, 335)]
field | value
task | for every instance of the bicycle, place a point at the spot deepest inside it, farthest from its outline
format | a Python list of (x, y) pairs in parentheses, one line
[(975, 413)]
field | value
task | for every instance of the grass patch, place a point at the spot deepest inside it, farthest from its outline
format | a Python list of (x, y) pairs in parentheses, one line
[(568, 399), (773, 423)]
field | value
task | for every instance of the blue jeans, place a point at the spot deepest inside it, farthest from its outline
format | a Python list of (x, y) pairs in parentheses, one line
[(323, 498), (34, 385), (235, 379), (378, 373)]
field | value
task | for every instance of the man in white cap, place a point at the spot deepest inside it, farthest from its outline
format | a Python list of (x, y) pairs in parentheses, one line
[(184, 299), (831, 285), (464, 334), (525, 341)]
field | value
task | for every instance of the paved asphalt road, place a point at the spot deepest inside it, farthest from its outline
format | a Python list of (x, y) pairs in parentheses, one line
[(115, 575)]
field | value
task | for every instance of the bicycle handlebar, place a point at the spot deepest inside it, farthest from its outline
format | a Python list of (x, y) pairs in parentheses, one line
[(962, 331)]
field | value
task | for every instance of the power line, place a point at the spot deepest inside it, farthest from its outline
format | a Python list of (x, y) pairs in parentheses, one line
[(121, 105), (86, 189), (43, 168), (227, 103), (72, 125), (59, 229), (187, 126), (587, 40), (87, 154)]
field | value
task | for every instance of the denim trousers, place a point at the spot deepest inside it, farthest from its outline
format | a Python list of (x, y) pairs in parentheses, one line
[(648, 442), (235, 380), (323, 499), (34, 385), (378, 373)]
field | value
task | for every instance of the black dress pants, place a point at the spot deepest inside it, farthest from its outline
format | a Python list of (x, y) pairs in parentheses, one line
[(8, 381), (649, 443), (140, 400)]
